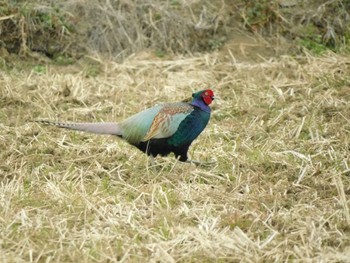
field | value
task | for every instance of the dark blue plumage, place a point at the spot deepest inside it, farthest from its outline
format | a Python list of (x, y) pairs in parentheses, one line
[(180, 141)]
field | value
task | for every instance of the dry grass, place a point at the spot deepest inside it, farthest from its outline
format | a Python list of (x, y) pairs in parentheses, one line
[(279, 190), (69, 29)]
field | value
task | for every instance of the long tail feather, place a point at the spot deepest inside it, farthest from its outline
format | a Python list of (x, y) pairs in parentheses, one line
[(111, 128)]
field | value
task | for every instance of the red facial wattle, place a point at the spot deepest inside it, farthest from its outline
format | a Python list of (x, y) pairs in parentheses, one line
[(208, 96)]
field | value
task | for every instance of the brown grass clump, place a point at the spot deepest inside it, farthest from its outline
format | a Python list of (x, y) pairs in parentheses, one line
[(63, 32), (113, 28), (279, 190), (124, 27)]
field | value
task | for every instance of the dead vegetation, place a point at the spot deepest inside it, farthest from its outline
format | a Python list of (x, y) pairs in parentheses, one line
[(113, 28), (278, 191), (68, 30)]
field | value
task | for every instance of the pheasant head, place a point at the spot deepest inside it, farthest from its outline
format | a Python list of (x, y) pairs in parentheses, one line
[(203, 99)]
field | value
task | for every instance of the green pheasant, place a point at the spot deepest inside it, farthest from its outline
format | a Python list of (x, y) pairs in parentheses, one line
[(160, 130)]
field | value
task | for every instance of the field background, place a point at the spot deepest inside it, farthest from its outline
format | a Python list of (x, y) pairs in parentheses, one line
[(278, 189)]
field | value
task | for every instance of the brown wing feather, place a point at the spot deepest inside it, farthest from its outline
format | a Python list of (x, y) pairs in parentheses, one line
[(167, 120)]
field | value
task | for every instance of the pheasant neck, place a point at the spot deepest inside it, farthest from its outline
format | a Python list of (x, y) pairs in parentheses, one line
[(200, 104)]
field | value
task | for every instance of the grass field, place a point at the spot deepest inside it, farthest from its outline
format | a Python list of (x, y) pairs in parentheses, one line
[(278, 191)]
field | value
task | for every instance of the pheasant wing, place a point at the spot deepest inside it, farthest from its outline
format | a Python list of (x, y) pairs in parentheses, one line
[(167, 121)]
